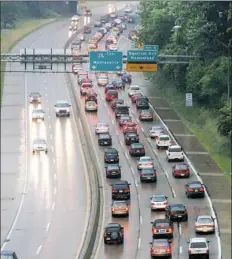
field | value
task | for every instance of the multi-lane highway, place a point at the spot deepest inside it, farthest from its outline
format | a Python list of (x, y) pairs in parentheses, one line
[(138, 227), (55, 206)]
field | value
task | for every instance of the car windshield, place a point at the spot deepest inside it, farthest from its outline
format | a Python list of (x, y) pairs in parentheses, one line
[(175, 149), (62, 105), (124, 118), (120, 204), (164, 138), (162, 224), (198, 245), (102, 125), (177, 207), (113, 167), (90, 103), (145, 159), (204, 220), (134, 87), (181, 167), (158, 198), (35, 95)]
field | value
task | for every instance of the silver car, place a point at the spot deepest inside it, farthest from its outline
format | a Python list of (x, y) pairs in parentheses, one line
[(120, 208), (155, 131), (38, 114), (205, 224), (159, 202)]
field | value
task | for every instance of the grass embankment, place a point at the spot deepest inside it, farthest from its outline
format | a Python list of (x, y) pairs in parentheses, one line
[(202, 122), (11, 37)]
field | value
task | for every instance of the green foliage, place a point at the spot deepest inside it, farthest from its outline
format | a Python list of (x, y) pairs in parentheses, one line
[(225, 121)]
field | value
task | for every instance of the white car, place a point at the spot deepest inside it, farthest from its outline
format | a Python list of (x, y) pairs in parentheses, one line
[(81, 36), (38, 114), (62, 108), (128, 10), (155, 131), (75, 18), (163, 141), (102, 80), (159, 202), (91, 106), (145, 162), (118, 21), (76, 69), (39, 145), (133, 89), (198, 246), (109, 25), (174, 152), (113, 15), (205, 224), (102, 127), (113, 47)]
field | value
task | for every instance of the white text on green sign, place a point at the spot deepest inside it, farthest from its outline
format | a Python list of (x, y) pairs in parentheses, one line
[(142, 56)]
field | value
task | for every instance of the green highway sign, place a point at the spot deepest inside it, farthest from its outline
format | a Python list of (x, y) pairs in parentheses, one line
[(101, 61), (142, 56), (151, 47)]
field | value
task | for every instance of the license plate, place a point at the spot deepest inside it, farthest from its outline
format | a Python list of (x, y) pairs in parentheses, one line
[(137, 151), (162, 231), (182, 174), (148, 178), (111, 160), (113, 172), (196, 190), (179, 216), (120, 191), (108, 238), (105, 142)]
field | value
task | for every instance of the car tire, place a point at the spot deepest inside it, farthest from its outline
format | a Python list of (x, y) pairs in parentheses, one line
[(57, 115), (157, 147), (46, 151), (167, 159), (105, 242), (186, 218)]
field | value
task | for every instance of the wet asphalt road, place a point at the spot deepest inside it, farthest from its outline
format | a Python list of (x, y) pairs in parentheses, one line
[(41, 183), (137, 226)]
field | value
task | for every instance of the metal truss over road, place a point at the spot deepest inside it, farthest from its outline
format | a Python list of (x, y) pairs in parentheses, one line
[(59, 60)]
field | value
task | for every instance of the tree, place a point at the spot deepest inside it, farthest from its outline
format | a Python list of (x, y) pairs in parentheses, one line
[(225, 121)]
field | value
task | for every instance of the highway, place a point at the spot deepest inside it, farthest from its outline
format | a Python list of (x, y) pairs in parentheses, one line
[(53, 217), (137, 226), (54, 206)]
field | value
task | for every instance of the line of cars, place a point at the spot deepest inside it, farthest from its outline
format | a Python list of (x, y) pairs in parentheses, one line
[(162, 230)]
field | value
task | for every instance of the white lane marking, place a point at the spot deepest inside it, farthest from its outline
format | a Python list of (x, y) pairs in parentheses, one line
[(47, 100), (26, 167), (127, 157), (142, 130), (141, 220), (132, 170), (137, 120), (139, 243), (155, 151), (148, 139), (105, 104), (116, 132), (112, 121), (45, 81), (180, 249), (46, 94), (54, 160), (55, 191), (53, 205), (48, 226), (51, 136), (52, 149), (50, 126), (39, 250), (136, 184), (55, 177), (180, 229), (49, 116), (199, 178), (139, 197), (121, 143)]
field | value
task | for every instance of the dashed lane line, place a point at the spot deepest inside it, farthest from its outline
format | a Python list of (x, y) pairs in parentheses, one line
[(48, 226), (39, 250), (53, 205)]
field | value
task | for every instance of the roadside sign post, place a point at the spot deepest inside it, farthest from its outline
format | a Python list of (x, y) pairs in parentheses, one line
[(142, 60), (102, 61), (189, 99), (151, 47)]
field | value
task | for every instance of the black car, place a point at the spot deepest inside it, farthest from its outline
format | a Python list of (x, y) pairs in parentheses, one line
[(35, 97), (104, 19), (148, 175), (113, 171), (195, 189), (176, 212), (162, 228), (131, 137), (88, 13), (142, 103), (121, 190), (114, 233), (111, 156), (137, 149), (104, 139)]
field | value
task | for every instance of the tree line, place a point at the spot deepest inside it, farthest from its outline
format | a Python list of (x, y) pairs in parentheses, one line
[(11, 12), (202, 29)]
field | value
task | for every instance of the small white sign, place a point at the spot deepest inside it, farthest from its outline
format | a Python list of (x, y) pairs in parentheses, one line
[(189, 99)]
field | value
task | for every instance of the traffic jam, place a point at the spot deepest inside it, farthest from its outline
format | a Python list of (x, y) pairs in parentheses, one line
[(121, 93)]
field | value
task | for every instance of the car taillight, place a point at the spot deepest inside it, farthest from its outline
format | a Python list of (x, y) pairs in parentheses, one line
[(201, 189), (168, 250), (172, 213), (190, 190), (165, 202), (185, 212), (187, 171), (189, 251), (150, 116), (142, 150), (127, 190), (155, 230), (132, 149), (142, 174), (169, 230), (114, 191)]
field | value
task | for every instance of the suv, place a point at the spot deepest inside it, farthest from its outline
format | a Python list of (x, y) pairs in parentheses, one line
[(114, 233), (142, 103), (62, 108), (111, 156), (104, 139), (175, 152), (197, 247), (121, 190)]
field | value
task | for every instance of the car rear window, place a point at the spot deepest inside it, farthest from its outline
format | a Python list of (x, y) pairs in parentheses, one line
[(86, 85), (113, 93), (160, 243), (120, 204), (62, 105), (175, 149), (113, 167), (195, 185), (137, 145), (158, 198), (205, 220), (134, 87), (120, 186), (181, 167), (162, 224), (164, 138), (148, 171), (198, 245), (176, 208), (112, 229)]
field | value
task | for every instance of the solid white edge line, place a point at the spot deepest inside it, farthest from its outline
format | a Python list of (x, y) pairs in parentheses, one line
[(199, 178), (54, 161), (26, 169), (53, 205), (48, 226), (139, 243), (180, 250), (55, 191), (180, 229), (141, 220)]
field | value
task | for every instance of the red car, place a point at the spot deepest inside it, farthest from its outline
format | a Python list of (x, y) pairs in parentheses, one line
[(111, 95), (135, 96), (115, 102), (180, 170), (130, 127), (124, 120)]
